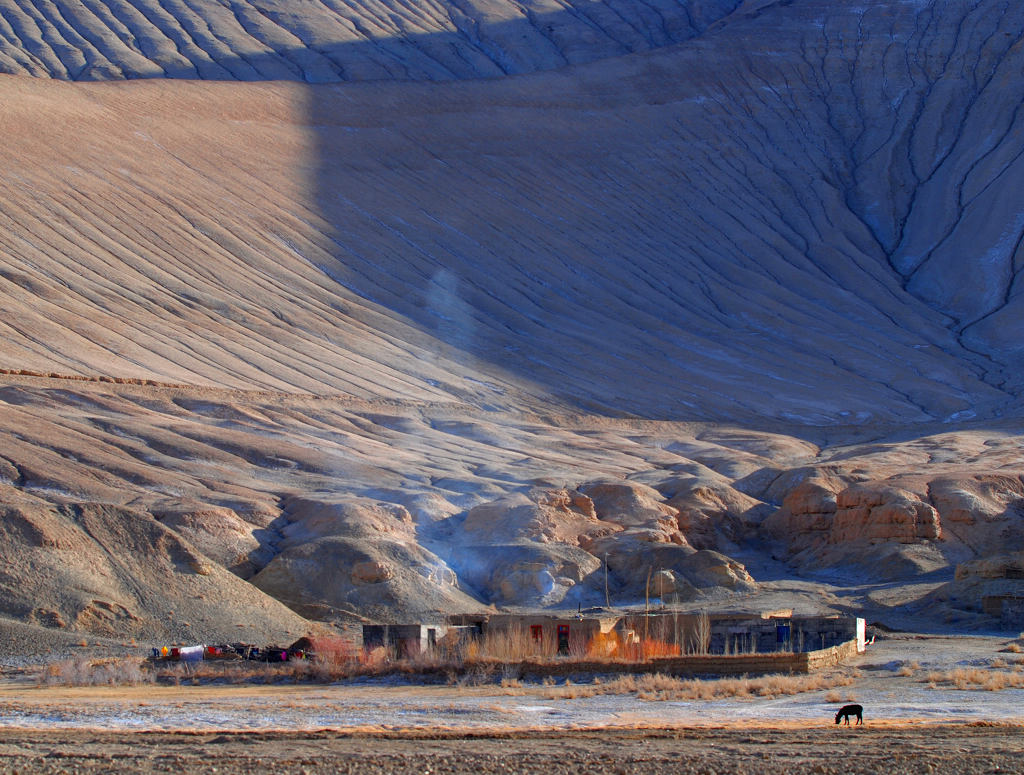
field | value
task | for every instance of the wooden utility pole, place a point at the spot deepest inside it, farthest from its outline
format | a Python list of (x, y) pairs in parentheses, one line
[(647, 611), (607, 600)]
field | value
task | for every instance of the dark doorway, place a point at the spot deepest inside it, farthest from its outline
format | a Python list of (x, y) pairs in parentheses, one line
[(563, 639)]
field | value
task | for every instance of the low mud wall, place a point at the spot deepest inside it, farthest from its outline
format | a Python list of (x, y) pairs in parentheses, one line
[(698, 665)]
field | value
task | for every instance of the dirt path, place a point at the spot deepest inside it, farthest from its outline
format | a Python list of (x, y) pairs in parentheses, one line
[(896, 750)]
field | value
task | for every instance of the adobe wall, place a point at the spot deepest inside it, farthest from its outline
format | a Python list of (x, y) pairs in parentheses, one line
[(406, 639), (740, 634), (1011, 613), (706, 665)]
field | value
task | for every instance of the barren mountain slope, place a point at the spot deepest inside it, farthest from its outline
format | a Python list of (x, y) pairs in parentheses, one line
[(390, 321), (323, 40), (820, 228)]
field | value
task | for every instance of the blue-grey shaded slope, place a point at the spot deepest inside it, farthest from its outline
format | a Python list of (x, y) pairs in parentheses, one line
[(333, 40)]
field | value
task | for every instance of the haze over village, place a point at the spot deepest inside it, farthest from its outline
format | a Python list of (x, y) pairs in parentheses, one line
[(329, 313)]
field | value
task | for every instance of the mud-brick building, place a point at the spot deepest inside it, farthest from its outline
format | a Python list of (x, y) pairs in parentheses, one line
[(1008, 608), (553, 634), (410, 640), (547, 633), (743, 633), (784, 633)]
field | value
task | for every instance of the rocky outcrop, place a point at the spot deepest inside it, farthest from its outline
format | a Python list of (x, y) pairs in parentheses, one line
[(982, 514), (1001, 566), (335, 577), (715, 515), (310, 518), (545, 516), (828, 521), (814, 513), (997, 576), (342, 555), (806, 516), (221, 535), (962, 516), (676, 573), (877, 512), (120, 573), (640, 511), (823, 523), (526, 574), (545, 547), (372, 572), (706, 569)]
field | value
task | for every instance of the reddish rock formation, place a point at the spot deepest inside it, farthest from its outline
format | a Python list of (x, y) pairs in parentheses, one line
[(873, 511), (639, 510)]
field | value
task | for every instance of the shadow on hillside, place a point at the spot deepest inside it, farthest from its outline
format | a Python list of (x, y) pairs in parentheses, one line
[(404, 44), (613, 239)]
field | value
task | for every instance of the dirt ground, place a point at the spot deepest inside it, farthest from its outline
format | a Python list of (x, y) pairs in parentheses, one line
[(899, 750), (915, 722)]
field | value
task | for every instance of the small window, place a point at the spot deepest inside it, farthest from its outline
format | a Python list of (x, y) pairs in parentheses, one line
[(536, 633)]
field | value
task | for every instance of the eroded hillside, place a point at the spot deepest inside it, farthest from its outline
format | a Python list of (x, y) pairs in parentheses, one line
[(323, 41), (684, 293)]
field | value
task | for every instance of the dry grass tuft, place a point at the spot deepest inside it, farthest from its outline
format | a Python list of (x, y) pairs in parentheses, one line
[(103, 672), (976, 678), (511, 645), (511, 685), (656, 687)]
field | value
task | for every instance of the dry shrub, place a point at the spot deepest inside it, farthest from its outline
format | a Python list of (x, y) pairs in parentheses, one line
[(604, 645), (796, 684), (976, 679), (650, 649), (335, 651), (611, 645), (375, 657), (103, 672), (508, 645), (659, 687), (245, 671), (517, 645), (478, 675)]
